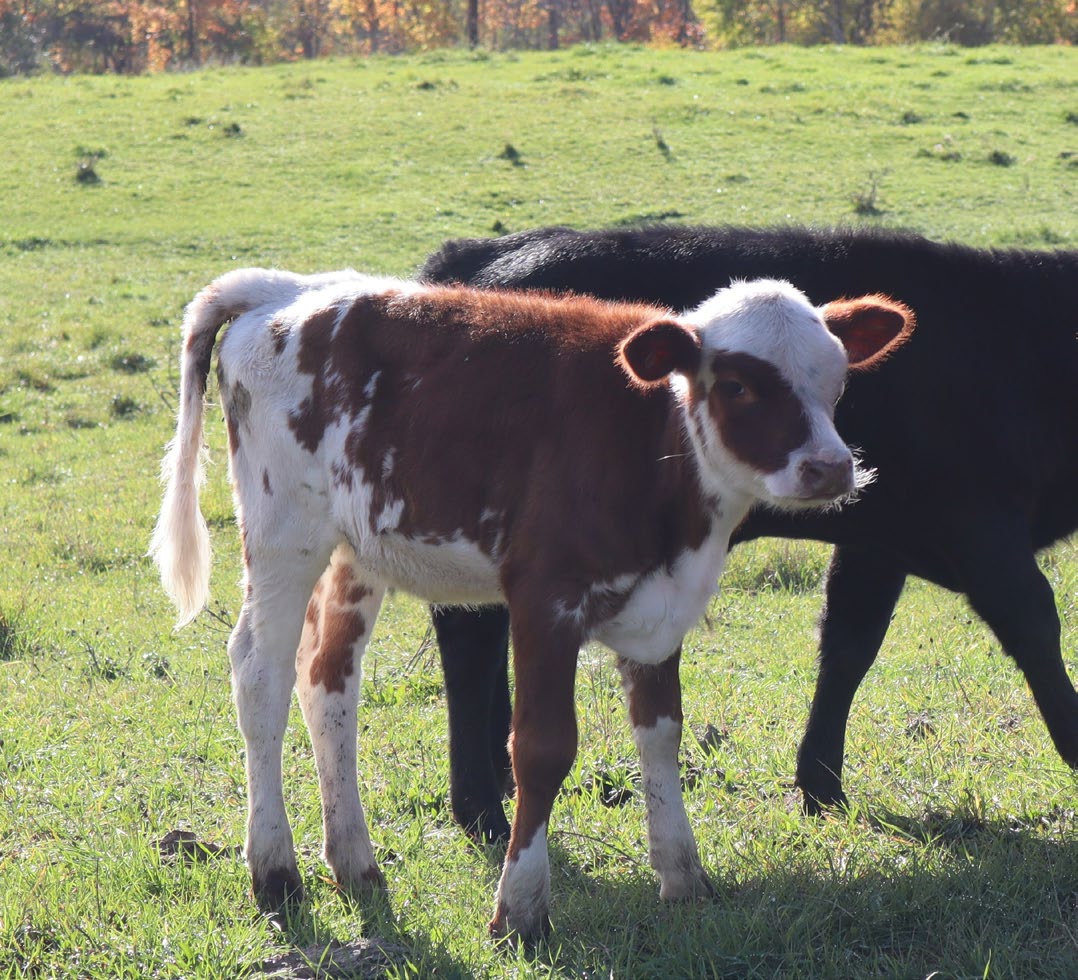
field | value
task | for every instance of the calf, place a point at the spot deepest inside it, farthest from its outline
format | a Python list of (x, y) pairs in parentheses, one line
[(972, 429), (584, 463)]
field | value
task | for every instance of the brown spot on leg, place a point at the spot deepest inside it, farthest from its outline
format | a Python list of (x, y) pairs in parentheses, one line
[(342, 626), (653, 691)]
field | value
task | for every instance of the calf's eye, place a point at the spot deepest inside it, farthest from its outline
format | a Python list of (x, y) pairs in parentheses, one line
[(731, 389)]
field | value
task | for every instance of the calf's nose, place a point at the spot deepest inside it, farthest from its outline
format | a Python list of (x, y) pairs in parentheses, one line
[(826, 477)]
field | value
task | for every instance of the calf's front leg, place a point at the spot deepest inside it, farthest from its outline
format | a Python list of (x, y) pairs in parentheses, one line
[(543, 747), (654, 696)]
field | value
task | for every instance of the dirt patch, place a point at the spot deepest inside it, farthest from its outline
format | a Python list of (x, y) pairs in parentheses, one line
[(361, 959), (183, 846)]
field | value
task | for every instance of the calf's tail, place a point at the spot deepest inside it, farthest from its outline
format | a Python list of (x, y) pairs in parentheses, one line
[(181, 542)]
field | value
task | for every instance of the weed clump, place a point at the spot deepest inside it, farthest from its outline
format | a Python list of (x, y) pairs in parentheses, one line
[(86, 168), (124, 407), (512, 154), (15, 642), (945, 151), (1002, 159), (866, 202), (132, 363), (85, 173), (661, 144)]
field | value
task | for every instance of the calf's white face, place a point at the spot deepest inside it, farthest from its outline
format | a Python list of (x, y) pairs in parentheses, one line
[(759, 373)]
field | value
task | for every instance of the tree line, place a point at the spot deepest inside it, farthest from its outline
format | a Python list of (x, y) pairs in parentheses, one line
[(135, 36)]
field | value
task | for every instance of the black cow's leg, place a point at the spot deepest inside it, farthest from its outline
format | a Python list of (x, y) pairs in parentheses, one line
[(1006, 588), (474, 644), (862, 589)]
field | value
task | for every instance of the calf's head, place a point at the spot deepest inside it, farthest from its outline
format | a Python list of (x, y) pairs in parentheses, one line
[(759, 370)]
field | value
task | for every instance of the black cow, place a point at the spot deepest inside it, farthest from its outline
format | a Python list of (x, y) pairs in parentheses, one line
[(972, 428)]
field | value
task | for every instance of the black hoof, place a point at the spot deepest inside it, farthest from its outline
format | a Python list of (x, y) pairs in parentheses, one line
[(817, 804), (278, 891)]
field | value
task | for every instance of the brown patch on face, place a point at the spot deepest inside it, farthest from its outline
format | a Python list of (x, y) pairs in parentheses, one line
[(266, 488), (342, 626), (759, 418)]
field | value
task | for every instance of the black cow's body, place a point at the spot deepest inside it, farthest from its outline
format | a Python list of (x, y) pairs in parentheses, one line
[(972, 428)]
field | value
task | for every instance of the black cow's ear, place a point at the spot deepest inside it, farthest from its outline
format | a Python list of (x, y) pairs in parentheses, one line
[(870, 327), (658, 349)]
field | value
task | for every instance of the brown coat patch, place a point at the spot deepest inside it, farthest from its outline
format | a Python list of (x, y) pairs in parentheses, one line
[(494, 416), (342, 626)]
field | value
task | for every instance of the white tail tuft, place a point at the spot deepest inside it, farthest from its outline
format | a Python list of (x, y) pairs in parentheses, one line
[(181, 541)]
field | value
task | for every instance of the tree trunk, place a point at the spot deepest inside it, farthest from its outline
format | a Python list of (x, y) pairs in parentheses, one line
[(552, 24), (836, 16), (192, 35), (472, 23)]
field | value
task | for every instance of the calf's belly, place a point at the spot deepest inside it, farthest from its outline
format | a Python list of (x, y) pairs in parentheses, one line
[(450, 571)]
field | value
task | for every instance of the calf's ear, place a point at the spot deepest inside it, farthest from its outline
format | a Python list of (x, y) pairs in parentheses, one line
[(657, 349), (870, 327)]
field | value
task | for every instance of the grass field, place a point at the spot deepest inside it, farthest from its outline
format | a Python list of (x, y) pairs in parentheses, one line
[(123, 196)]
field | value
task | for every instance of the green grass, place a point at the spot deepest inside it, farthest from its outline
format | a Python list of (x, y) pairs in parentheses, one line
[(114, 730)]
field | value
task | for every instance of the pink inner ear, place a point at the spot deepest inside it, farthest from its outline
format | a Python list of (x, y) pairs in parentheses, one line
[(868, 338), (659, 358), (870, 328), (657, 349)]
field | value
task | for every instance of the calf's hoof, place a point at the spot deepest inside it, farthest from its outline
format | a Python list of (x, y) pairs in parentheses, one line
[(686, 885), (368, 884), (277, 890), (511, 931)]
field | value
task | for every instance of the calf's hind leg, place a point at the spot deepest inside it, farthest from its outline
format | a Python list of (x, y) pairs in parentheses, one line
[(340, 618), (262, 651)]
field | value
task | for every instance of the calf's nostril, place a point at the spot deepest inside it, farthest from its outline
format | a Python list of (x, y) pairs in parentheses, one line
[(826, 477)]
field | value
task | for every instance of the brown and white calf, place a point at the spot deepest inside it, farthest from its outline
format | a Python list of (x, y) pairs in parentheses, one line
[(583, 462)]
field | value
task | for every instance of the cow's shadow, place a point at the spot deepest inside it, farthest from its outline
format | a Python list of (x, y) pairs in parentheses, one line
[(895, 911), (606, 909), (374, 948)]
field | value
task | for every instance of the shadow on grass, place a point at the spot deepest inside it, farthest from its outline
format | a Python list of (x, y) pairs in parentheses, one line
[(960, 896), (374, 948), (949, 892)]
